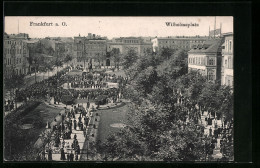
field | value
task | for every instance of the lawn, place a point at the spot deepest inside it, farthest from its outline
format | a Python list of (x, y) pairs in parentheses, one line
[(36, 119), (42, 112), (108, 117)]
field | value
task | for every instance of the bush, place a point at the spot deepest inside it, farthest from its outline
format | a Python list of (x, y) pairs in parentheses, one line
[(89, 76), (101, 100), (68, 100)]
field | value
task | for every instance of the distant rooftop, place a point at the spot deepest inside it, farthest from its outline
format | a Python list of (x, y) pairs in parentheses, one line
[(182, 37), (20, 35), (209, 46), (227, 34)]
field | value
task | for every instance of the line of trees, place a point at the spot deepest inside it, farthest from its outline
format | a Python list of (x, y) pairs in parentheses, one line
[(164, 97)]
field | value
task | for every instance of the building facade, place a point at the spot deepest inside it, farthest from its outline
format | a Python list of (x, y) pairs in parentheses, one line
[(124, 44), (16, 54), (227, 74), (185, 43), (206, 59), (90, 49)]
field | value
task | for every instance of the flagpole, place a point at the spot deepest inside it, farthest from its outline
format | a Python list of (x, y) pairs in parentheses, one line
[(220, 28), (214, 26), (209, 32)]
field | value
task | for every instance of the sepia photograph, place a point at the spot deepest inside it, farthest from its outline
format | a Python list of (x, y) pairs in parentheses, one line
[(118, 88)]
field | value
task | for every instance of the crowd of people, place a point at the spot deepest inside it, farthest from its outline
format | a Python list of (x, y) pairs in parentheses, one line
[(63, 131), (94, 80), (219, 134), (8, 105), (52, 87)]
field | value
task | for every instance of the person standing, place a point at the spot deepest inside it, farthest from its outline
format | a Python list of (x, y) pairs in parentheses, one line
[(210, 131), (68, 157), (62, 157), (50, 155), (38, 158), (75, 124), (71, 156), (88, 105), (76, 156)]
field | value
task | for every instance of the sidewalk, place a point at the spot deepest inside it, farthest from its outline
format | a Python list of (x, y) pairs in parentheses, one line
[(216, 152), (90, 131)]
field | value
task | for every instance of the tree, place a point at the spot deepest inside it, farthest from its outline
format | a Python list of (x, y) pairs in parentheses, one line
[(57, 63), (146, 80), (129, 59), (115, 54), (13, 83), (35, 56), (166, 53), (67, 59), (100, 57)]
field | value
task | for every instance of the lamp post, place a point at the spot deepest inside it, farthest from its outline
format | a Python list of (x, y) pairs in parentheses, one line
[(87, 139), (34, 63)]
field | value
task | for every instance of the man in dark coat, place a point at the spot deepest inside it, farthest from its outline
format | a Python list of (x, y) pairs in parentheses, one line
[(62, 157), (75, 124), (88, 105), (71, 156), (50, 155), (210, 131), (76, 156), (78, 149)]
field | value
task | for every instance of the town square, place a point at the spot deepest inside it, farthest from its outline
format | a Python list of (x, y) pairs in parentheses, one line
[(118, 95)]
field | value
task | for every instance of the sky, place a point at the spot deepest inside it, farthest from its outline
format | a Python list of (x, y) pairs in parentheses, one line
[(116, 26)]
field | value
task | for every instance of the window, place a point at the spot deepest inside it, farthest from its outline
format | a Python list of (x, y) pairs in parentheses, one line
[(211, 76), (228, 82), (229, 62), (225, 63), (230, 46), (211, 61), (226, 45)]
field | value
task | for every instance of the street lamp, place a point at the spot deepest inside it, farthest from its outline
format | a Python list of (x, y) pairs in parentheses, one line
[(87, 139)]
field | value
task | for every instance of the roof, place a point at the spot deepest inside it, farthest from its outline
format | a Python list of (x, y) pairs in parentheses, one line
[(31, 41), (16, 36), (209, 46), (182, 38), (227, 34)]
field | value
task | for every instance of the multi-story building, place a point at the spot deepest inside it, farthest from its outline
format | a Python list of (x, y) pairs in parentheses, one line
[(16, 54), (31, 44), (206, 59), (185, 43), (227, 60), (124, 44), (90, 49)]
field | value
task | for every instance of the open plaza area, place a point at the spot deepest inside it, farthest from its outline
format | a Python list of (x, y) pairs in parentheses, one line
[(93, 98)]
